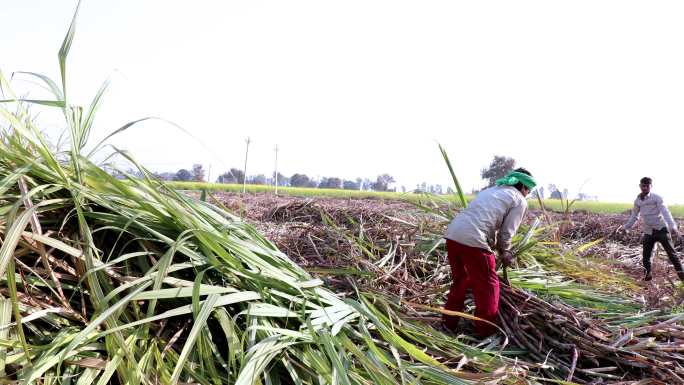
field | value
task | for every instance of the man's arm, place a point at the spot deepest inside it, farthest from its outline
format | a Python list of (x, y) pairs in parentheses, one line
[(671, 224), (633, 218), (509, 226)]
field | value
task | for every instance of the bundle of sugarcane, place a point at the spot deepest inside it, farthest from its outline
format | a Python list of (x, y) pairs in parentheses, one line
[(585, 348)]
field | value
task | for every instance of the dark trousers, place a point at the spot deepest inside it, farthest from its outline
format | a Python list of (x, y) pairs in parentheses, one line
[(475, 269), (663, 237)]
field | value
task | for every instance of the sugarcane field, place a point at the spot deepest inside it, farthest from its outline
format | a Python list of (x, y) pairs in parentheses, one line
[(295, 250)]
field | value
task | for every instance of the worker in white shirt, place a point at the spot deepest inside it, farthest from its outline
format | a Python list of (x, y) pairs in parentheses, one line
[(657, 224), (487, 225)]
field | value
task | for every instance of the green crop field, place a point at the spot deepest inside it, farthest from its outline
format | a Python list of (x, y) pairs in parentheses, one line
[(293, 191), (601, 207), (550, 204)]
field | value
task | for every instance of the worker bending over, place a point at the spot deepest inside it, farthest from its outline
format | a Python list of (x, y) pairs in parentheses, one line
[(488, 223)]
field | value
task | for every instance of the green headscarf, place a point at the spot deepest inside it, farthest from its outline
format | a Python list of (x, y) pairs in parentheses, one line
[(515, 177)]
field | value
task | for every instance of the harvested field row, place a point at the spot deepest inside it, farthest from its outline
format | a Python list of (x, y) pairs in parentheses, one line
[(321, 235)]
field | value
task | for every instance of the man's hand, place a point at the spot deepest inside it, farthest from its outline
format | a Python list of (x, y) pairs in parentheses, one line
[(507, 258)]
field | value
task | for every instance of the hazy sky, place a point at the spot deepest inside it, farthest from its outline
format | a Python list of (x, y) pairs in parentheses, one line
[(575, 91)]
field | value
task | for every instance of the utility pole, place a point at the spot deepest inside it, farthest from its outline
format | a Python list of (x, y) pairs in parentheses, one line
[(276, 169), (244, 170), (209, 174)]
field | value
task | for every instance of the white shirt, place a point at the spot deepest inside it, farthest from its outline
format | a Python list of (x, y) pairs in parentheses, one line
[(498, 208), (654, 214)]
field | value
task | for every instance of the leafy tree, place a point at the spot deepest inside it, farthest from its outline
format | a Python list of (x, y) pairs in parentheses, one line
[(538, 193), (299, 180), (382, 182), (238, 174), (257, 179), (226, 177), (282, 179), (555, 192), (436, 189), (183, 175), (500, 166), (366, 184), (350, 185), (197, 172), (313, 183), (331, 182), (233, 176)]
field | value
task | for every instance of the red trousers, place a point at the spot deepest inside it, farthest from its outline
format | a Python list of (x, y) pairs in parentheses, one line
[(475, 269)]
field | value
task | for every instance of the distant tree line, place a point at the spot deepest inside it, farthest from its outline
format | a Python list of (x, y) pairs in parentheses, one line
[(499, 167), (236, 176), (382, 182)]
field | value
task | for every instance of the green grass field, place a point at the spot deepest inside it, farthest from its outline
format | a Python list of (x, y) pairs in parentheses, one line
[(294, 191), (551, 204)]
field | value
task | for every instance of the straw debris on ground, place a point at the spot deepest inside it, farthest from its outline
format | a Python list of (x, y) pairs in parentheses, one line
[(603, 337)]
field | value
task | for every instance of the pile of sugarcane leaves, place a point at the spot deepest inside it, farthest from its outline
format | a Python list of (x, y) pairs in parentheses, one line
[(584, 349), (571, 332)]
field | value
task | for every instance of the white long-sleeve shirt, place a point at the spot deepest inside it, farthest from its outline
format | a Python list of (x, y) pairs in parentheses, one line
[(654, 214), (497, 209)]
